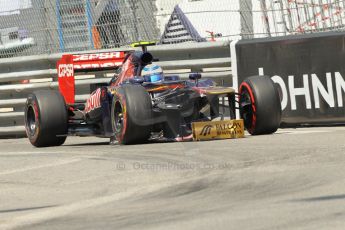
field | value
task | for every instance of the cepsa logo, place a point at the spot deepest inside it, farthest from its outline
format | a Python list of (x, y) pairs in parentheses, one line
[(97, 56), (65, 70)]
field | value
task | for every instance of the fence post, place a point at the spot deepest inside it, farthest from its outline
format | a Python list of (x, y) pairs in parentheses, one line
[(89, 22), (246, 12), (265, 15), (59, 24)]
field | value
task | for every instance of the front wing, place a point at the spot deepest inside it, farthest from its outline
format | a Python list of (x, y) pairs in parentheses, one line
[(210, 130)]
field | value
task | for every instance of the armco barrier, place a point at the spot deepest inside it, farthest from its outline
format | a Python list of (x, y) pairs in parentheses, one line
[(213, 59), (309, 70)]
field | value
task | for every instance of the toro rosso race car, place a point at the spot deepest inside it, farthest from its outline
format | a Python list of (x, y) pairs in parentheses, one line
[(141, 104)]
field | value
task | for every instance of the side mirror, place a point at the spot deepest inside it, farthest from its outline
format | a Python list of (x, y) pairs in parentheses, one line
[(194, 76), (146, 58)]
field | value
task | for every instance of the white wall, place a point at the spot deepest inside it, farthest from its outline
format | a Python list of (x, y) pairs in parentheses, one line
[(221, 16), (298, 20), (8, 7), (164, 10)]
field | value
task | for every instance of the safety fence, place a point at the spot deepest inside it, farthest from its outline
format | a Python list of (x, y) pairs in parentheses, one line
[(288, 17), (33, 27), (22, 75)]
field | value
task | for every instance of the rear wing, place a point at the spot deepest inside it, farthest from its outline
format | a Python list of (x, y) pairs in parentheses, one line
[(70, 64)]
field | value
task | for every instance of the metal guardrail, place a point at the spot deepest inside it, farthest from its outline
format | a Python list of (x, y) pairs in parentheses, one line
[(212, 59)]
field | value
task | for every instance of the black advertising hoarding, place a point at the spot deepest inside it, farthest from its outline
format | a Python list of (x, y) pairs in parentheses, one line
[(310, 72)]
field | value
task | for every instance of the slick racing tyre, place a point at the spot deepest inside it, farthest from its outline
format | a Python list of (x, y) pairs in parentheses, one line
[(260, 106), (46, 118), (131, 114)]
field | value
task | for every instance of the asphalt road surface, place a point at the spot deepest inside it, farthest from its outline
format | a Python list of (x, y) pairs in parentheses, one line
[(294, 179)]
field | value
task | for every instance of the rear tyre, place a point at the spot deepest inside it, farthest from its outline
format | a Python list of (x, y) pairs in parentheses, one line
[(260, 106), (46, 118), (131, 114)]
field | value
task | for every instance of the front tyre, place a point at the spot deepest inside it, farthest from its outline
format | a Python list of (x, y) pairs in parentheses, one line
[(131, 114), (260, 106), (46, 118)]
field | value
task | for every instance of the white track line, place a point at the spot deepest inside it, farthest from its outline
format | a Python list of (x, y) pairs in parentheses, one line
[(56, 212), (18, 153), (309, 132), (41, 216), (39, 167), (301, 131)]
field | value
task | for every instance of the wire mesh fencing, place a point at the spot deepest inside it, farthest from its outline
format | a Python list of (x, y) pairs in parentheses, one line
[(52, 26), (30, 27), (286, 17)]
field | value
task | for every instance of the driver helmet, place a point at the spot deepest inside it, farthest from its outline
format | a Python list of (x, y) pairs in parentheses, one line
[(152, 73)]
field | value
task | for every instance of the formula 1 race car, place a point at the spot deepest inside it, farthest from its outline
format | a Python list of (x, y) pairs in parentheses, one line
[(136, 107)]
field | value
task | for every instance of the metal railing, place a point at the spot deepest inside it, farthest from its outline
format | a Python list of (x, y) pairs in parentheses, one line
[(22, 75)]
